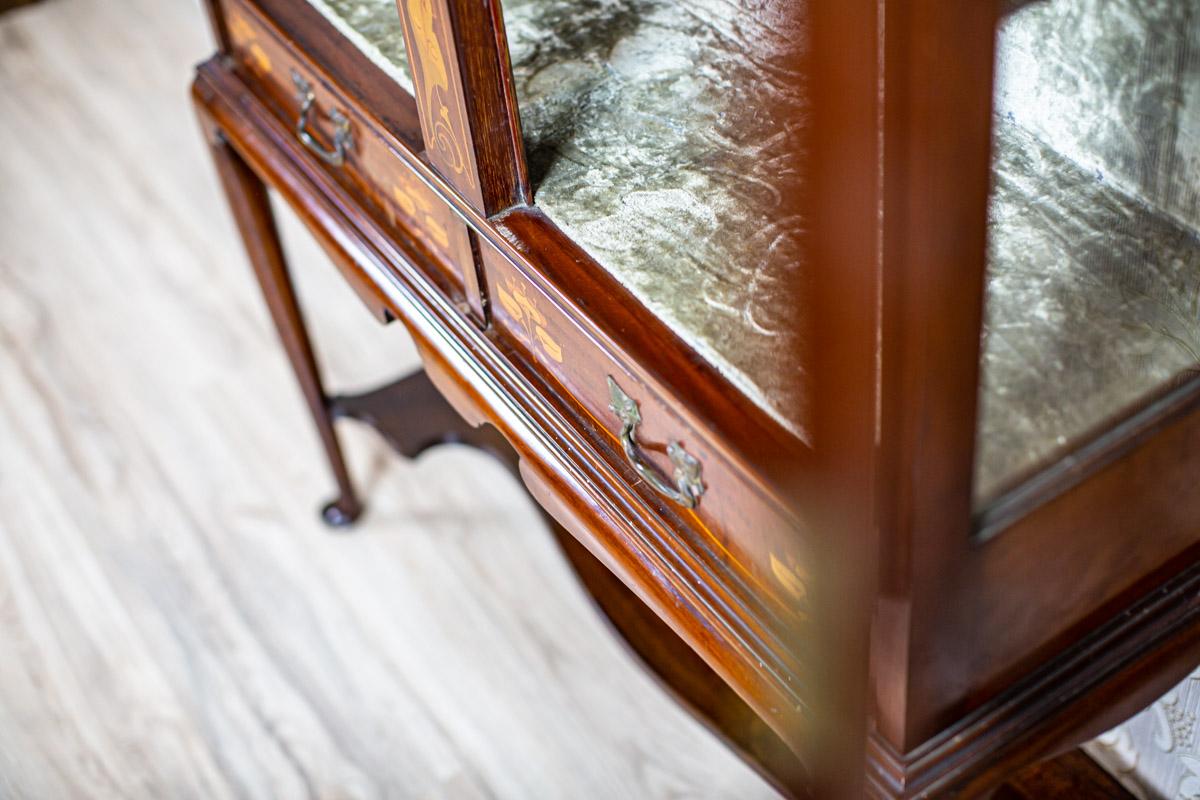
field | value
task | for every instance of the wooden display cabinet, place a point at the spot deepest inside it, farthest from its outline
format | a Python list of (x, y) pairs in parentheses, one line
[(828, 589)]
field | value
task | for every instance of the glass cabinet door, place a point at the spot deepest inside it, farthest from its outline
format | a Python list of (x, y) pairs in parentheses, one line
[(661, 137), (1093, 284)]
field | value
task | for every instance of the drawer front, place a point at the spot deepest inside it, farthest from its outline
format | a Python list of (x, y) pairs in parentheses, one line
[(732, 514), (370, 167), (739, 518)]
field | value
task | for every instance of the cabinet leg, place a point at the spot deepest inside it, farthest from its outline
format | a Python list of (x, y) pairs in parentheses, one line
[(251, 208)]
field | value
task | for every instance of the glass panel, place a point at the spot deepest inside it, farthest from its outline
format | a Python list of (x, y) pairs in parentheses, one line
[(373, 26), (661, 137), (1093, 295)]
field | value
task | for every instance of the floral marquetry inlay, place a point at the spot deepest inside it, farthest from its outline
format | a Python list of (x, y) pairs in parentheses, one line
[(243, 33), (791, 577), (515, 299), (416, 204), (438, 92)]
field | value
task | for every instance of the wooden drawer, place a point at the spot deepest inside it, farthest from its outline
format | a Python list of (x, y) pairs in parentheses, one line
[(737, 518), (281, 74), (735, 511)]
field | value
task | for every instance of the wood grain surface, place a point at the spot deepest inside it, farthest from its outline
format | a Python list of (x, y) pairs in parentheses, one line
[(174, 619)]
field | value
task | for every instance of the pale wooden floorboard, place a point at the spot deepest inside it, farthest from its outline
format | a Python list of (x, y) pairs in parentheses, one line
[(174, 621)]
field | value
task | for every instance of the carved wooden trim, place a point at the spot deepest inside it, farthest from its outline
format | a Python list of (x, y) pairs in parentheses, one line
[(1104, 679), (746, 435), (702, 598)]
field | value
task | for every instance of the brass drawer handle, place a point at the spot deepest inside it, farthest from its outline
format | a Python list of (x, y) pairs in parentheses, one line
[(688, 486), (343, 140)]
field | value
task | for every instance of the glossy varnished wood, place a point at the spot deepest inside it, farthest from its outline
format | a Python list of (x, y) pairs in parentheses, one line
[(712, 613), (558, 330), (1072, 775), (467, 105), (464, 92), (252, 211), (771, 557), (307, 31), (177, 622), (842, 198), (1104, 677), (636, 341), (413, 416), (963, 621), (980, 661), (937, 62), (270, 54)]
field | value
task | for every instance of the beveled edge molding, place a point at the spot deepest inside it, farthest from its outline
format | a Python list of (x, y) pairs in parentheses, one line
[(754, 654), (536, 249), (520, 254), (1101, 446), (1105, 678)]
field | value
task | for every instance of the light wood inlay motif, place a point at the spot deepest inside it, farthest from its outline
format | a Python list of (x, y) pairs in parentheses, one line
[(373, 168), (243, 33), (239, 28), (515, 298), (416, 203), (175, 622), (439, 93)]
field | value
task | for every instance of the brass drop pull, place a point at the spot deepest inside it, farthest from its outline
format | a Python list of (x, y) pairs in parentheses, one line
[(688, 486), (343, 140)]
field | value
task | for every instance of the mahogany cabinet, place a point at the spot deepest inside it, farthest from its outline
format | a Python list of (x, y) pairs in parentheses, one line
[(849, 347)]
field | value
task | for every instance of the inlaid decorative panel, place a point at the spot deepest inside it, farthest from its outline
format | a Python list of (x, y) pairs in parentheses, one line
[(371, 166), (660, 136), (438, 90)]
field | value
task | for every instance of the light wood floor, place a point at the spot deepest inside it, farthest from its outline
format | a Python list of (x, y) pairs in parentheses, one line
[(174, 622)]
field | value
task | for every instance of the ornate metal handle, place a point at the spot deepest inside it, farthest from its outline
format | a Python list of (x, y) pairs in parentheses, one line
[(343, 140), (688, 486)]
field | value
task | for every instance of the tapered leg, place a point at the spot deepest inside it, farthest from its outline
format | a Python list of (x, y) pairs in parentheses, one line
[(252, 210)]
